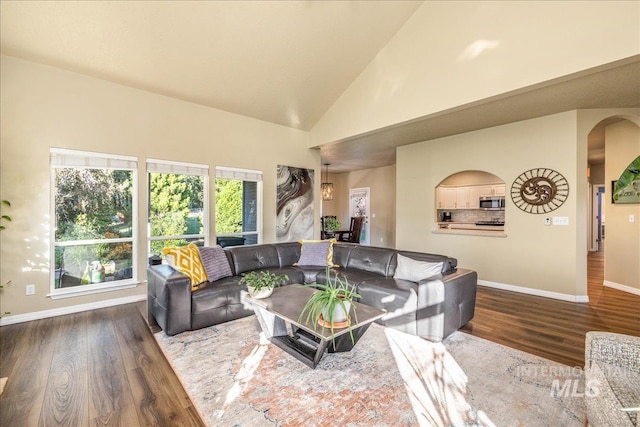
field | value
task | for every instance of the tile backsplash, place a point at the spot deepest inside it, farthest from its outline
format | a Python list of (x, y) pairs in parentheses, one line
[(472, 215)]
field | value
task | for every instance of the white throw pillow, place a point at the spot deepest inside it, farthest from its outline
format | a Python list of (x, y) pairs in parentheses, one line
[(410, 269)]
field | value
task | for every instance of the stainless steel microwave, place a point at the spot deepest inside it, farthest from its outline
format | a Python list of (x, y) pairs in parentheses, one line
[(493, 203)]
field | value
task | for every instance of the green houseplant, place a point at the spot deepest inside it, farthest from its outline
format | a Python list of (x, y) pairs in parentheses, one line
[(331, 224), (260, 284), (330, 305)]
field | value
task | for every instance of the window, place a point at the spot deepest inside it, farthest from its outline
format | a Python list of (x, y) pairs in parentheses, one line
[(238, 206), (178, 204), (94, 213)]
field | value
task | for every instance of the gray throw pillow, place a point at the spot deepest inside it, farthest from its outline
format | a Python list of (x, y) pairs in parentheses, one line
[(215, 263), (317, 254)]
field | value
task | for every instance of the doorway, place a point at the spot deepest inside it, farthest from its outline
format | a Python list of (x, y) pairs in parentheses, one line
[(360, 205)]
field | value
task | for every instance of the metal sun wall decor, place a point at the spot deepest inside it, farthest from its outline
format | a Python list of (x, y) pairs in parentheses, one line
[(294, 205), (540, 190)]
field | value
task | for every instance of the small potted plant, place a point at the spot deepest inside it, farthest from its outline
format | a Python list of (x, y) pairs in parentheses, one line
[(260, 284), (331, 224), (330, 305)]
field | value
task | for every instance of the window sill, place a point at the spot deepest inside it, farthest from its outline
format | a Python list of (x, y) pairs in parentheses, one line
[(91, 289)]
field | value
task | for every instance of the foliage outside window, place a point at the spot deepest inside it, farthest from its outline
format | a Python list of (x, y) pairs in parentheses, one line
[(177, 204), (94, 220), (238, 216)]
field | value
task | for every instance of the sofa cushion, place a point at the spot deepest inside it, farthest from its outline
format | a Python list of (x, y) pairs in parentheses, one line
[(414, 271), (372, 259), (186, 259), (215, 263), (295, 274), (288, 253), (341, 252), (254, 257), (316, 253), (353, 277)]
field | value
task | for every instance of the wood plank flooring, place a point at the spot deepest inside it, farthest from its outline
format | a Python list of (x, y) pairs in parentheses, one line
[(103, 367), (551, 328)]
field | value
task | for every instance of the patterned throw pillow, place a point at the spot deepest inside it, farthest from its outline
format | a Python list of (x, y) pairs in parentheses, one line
[(186, 259), (317, 253), (215, 262), (415, 271)]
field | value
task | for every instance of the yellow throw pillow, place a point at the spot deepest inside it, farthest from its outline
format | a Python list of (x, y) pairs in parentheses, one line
[(317, 253), (186, 259)]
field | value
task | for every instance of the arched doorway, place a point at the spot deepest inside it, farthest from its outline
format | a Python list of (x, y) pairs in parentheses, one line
[(613, 231)]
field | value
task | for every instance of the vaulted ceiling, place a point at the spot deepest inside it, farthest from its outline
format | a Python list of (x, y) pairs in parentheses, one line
[(282, 62)]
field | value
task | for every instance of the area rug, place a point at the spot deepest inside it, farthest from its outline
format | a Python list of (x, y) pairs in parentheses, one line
[(236, 378)]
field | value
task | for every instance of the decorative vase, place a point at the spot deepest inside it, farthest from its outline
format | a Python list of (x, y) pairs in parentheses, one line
[(261, 293)]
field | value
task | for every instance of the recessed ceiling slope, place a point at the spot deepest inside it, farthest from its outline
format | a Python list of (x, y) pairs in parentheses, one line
[(283, 62)]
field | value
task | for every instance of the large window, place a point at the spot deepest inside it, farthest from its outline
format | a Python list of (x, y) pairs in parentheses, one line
[(94, 214), (238, 206), (178, 204)]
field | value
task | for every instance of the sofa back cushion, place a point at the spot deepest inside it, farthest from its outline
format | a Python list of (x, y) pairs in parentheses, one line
[(288, 253), (253, 257), (448, 264), (372, 259), (341, 253)]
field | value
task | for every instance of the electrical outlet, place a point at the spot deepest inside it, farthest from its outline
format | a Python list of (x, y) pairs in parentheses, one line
[(632, 218), (31, 289)]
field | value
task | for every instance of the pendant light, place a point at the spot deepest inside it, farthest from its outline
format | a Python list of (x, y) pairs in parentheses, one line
[(327, 187)]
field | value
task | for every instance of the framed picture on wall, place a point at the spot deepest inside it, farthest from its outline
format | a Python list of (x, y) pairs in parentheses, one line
[(630, 194)]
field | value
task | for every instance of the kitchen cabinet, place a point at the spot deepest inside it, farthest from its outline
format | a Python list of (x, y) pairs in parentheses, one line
[(467, 197), (492, 190), (446, 197)]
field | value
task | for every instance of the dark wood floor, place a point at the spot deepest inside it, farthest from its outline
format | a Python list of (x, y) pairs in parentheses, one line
[(104, 368), (551, 328)]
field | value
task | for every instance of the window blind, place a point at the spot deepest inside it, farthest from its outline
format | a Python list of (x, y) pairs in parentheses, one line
[(239, 174), (62, 158), (178, 168)]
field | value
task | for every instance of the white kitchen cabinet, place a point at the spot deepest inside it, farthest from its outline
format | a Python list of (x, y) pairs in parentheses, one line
[(473, 197), (450, 197), (446, 197), (492, 190)]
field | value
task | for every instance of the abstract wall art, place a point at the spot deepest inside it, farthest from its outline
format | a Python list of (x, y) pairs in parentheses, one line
[(294, 207)]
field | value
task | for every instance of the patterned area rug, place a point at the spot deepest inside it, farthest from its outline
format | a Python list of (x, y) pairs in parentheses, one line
[(235, 378)]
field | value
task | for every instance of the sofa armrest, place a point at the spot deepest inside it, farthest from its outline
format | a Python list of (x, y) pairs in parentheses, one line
[(169, 298), (614, 349)]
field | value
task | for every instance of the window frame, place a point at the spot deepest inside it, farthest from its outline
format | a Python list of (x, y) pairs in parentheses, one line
[(91, 160), (243, 175), (178, 168)]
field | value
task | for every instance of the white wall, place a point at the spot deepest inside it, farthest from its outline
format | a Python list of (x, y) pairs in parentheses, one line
[(622, 238), (43, 107), (422, 70)]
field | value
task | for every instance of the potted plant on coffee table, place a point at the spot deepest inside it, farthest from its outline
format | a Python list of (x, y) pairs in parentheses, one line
[(330, 305), (260, 284)]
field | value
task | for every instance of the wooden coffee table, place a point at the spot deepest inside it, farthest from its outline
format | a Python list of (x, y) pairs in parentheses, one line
[(278, 317)]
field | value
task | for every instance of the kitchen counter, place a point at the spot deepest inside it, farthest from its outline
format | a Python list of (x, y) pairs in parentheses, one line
[(470, 229)]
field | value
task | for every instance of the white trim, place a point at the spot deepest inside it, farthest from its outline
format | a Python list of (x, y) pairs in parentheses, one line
[(623, 288), (175, 163), (536, 292), (239, 174), (98, 288), (78, 153), (37, 315)]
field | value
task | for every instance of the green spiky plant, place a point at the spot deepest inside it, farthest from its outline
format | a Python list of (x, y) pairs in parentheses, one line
[(630, 174), (335, 293)]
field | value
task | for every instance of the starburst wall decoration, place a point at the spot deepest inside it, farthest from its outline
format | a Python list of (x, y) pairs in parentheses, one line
[(540, 190)]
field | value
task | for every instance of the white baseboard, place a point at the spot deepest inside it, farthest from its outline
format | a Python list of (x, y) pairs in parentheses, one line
[(624, 288), (536, 292), (37, 315)]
